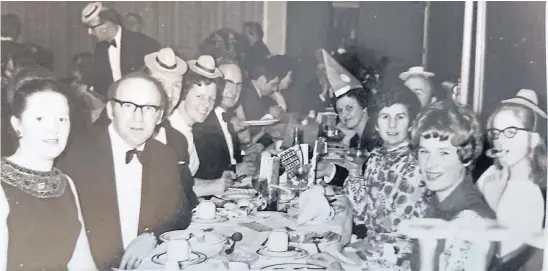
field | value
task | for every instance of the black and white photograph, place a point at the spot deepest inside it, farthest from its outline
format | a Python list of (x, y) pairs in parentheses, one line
[(273, 135)]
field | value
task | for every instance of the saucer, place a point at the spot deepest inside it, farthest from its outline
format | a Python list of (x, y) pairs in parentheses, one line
[(218, 219), (292, 252), (294, 266), (194, 259)]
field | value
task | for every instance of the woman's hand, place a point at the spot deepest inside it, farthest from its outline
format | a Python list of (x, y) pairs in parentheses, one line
[(324, 169)]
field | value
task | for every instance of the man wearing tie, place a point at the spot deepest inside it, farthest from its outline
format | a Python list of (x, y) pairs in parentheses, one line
[(216, 140), (129, 184), (118, 51)]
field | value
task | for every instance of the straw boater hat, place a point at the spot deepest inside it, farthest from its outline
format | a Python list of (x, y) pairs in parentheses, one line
[(340, 80), (90, 14), (205, 65), (418, 70), (527, 98), (166, 62)]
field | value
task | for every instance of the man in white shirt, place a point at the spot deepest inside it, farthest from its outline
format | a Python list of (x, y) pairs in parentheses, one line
[(130, 186), (118, 51)]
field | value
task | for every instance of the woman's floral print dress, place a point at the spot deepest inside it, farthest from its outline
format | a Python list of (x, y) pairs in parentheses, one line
[(391, 191)]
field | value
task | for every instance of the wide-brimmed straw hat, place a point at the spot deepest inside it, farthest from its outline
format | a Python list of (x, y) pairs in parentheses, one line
[(527, 98), (90, 13), (417, 70), (166, 62), (205, 65)]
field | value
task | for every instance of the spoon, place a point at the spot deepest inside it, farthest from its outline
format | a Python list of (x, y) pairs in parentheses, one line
[(235, 238)]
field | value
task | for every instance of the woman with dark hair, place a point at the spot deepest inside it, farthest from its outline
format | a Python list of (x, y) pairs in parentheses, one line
[(33, 192), (513, 185), (18, 79), (448, 139), (352, 108), (392, 187)]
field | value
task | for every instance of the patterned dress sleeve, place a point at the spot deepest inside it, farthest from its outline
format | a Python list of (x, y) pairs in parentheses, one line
[(460, 255)]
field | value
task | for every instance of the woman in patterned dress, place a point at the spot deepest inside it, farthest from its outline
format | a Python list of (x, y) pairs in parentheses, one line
[(448, 139), (42, 226), (392, 187)]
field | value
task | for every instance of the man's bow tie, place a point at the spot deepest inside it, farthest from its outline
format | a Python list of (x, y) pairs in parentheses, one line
[(227, 116), (131, 153), (113, 43)]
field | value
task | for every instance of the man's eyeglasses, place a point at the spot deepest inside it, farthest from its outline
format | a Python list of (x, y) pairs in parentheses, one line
[(509, 132), (147, 110), (229, 82)]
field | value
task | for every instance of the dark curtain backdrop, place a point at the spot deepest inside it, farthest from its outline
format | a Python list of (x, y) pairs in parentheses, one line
[(180, 25)]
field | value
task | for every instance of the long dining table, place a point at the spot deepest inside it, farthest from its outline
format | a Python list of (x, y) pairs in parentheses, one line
[(253, 239)]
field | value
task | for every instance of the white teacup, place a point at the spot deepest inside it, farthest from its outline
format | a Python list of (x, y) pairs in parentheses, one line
[(178, 248), (205, 210), (278, 241)]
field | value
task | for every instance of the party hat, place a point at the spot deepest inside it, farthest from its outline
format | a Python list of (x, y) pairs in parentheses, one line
[(339, 78)]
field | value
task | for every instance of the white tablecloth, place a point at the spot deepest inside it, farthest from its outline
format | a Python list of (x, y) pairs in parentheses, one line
[(252, 240)]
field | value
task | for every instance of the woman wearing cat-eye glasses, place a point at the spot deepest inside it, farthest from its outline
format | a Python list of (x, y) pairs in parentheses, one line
[(512, 186)]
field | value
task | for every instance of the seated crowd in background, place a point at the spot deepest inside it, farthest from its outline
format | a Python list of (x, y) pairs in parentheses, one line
[(179, 128)]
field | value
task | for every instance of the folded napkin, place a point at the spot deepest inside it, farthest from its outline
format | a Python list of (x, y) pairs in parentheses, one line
[(314, 206)]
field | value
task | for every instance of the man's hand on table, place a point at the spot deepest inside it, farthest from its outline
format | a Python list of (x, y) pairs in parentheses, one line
[(137, 250), (246, 168)]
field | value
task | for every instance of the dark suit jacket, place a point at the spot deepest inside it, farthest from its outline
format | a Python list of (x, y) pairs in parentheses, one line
[(212, 148), (89, 163), (178, 142), (134, 47), (254, 106)]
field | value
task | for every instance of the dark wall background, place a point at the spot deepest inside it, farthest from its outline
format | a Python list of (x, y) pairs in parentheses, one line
[(515, 51), (393, 29), (445, 41)]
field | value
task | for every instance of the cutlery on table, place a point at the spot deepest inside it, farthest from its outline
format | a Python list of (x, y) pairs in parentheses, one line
[(237, 236)]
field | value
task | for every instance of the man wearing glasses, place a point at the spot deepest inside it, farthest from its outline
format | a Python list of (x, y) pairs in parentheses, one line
[(129, 184), (216, 139), (118, 51)]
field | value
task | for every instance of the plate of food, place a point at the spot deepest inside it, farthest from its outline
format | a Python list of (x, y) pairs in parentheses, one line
[(294, 266), (194, 259)]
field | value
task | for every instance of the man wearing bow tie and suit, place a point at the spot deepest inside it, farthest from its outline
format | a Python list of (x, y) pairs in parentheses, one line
[(118, 51), (129, 184), (216, 140)]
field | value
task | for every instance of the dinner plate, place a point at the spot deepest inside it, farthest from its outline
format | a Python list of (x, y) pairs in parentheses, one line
[(292, 253), (194, 259), (217, 219), (441, 229), (262, 215), (294, 266), (260, 122), (197, 236)]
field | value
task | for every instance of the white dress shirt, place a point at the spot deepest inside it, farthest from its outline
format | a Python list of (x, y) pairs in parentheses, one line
[(228, 137), (161, 135), (114, 56), (180, 125), (128, 187)]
